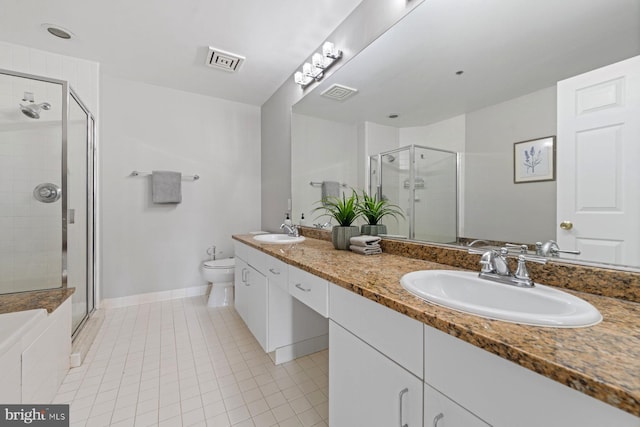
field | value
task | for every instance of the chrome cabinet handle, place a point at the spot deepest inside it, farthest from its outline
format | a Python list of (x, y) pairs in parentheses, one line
[(437, 418), (247, 282), (244, 277), (402, 393), (274, 271), (299, 286)]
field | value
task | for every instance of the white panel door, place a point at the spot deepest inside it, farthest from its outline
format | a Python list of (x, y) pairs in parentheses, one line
[(598, 156)]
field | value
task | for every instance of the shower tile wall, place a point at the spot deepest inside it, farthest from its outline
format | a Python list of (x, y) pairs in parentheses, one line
[(30, 231)]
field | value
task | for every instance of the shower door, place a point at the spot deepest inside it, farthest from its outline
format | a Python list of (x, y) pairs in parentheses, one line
[(79, 208), (423, 182), (31, 138), (46, 190)]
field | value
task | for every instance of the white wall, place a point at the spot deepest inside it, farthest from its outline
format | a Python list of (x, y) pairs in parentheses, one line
[(321, 150), (373, 139), (147, 247), (447, 134), (496, 208)]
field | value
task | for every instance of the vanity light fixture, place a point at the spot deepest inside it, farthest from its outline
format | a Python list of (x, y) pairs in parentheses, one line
[(320, 62)]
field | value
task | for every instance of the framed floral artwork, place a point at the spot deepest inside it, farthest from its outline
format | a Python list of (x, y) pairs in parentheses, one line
[(534, 160)]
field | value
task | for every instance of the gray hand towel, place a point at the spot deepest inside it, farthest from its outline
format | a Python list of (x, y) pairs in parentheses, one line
[(166, 187), (365, 240), (330, 189), (363, 250)]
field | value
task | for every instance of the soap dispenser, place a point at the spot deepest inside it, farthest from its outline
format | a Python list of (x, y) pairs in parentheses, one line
[(287, 219), (302, 220)]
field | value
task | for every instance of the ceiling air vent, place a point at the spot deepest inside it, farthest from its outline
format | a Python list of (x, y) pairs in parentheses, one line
[(339, 92), (222, 60)]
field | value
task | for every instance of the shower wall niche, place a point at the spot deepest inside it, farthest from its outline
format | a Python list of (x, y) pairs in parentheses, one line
[(423, 181)]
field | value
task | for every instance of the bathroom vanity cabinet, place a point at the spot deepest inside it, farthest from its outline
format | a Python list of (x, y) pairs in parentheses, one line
[(387, 368), (282, 325)]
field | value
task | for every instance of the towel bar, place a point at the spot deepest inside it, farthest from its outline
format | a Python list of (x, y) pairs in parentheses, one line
[(318, 184), (138, 173)]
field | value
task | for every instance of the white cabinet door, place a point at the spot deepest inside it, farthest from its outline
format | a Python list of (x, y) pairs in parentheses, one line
[(368, 389), (257, 285), (440, 411), (242, 290), (251, 300)]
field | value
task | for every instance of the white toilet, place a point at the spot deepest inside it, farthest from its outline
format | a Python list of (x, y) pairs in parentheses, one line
[(219, 273)]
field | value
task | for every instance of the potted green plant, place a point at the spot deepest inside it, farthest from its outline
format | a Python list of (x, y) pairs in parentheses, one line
[(373, 210), (345, 211)]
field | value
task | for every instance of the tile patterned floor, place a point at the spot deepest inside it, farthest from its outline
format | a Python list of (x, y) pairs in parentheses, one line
[(180, 363)]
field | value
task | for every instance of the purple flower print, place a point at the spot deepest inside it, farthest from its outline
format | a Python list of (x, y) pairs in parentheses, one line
[(532, 159)]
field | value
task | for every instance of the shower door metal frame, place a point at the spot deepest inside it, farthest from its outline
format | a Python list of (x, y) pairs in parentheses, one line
[(91, 183), (412, 176), (68, 92)]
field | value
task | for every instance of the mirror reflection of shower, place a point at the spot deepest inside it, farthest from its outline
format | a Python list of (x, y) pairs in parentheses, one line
[(423, 181), (31, 109)]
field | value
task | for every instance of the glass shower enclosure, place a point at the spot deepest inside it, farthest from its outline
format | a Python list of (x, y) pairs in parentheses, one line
[(423, 182), (47, 189)]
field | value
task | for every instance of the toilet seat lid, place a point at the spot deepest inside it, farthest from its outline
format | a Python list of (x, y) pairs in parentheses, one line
[(220, 263)]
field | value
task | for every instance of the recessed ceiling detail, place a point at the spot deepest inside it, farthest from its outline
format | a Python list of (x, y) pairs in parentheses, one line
[(227, 61), (339, 92), (57, 31)]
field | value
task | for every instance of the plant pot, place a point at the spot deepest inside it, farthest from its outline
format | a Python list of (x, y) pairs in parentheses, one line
[(341, 235), (373, 230)]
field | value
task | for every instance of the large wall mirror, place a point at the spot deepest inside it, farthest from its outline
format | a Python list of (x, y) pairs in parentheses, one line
[(476, 78)]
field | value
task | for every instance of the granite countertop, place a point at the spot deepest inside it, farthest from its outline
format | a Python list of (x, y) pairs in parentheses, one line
[(602, 361), (49, 299)]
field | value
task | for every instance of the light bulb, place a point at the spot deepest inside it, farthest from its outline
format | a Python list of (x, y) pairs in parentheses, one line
[(307, 69), (318, 60), (327, 49)]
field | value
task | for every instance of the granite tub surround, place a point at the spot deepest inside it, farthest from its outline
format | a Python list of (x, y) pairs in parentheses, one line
[(602, 361), (49, 299)]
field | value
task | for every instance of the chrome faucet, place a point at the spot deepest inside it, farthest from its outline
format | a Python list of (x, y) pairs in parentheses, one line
[(551, 248), (322, 226), (495, 267), (292, 230), (471, 244)]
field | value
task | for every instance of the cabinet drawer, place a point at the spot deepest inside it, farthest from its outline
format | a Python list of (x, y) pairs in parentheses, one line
[(395, 335), (505, 394), (251, 256), (277, 273), (309, 289)]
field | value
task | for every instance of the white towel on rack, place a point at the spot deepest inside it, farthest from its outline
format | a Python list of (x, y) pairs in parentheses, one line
[(330, 189), (166, 187)]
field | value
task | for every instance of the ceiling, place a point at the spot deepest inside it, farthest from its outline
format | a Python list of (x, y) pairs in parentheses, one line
[(165, 42), (506, 48)]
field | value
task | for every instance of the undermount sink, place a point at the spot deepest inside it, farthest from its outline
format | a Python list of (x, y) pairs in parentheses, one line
[(465, 291), (280, 239)]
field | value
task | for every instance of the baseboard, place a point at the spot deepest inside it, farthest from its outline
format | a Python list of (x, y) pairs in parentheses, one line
[(150, 297), (299, 349)]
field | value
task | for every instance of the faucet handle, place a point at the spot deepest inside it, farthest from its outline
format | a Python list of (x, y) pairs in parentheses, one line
[(488, 261), (524, 249)]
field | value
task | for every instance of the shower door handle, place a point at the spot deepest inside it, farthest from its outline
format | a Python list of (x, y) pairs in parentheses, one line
[(72, 216)]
